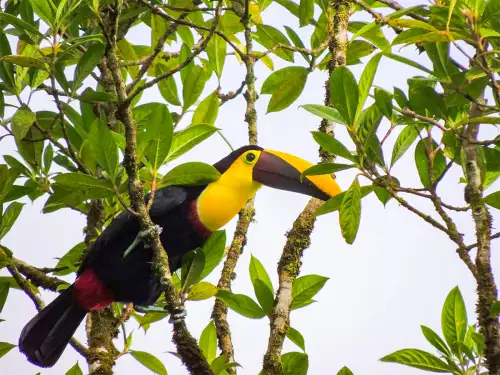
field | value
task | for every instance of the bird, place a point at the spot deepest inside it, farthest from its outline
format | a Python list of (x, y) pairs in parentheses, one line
[(118, 266)]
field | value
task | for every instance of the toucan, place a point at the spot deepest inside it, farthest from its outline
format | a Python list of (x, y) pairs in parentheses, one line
[(187, 215)]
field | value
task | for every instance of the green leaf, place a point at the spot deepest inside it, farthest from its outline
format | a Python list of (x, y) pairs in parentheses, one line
[(422, 162), (296, 337), (344, 93), (306, 287), (296, 41), (371, 32), (9, 217), (48, 156), (159, 136), (75, 370), (366, 80), (328, 113), (241, 304), (383, 99), (334, 203), (149, 361), (43, 10), (285, 86), (350, 212), (201, 291), (295, 363), (191, 173), (269, 37), (435, 340), (208, 342), (207, 110), (428, 98), (192, 267), (87, 63), (4, 292), (493, 199), (19, 24), (21, 123), (454, 318), (332, 145), (104, 147), (404, 141), (419, 359), (6, 69), (188, 138), (85, 182), (213, 248), (369, 122), (345, 371), (91, 96), (264, 295), (70, 260), (356, 50), (167, 87), (306, 12), (5, 347), (193, 86), (25, 61), (257, 271), (5, 257), (220, 364), (406, 61), (327, 168), (216, 51)]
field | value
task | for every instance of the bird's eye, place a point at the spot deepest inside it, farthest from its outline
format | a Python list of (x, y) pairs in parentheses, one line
[(250, 157)]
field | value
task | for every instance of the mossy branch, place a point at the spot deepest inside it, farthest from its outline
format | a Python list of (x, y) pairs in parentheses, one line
[(187, 347), (298, 239), (246, 215)]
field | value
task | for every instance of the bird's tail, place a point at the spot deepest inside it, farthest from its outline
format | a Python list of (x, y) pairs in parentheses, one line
[(45, 337)]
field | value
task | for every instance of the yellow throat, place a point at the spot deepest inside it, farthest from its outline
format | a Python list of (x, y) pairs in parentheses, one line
[(223, 199)]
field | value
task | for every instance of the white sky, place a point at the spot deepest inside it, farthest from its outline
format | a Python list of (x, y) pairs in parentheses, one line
[(394, 278)]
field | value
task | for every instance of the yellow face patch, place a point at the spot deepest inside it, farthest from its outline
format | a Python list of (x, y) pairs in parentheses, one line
[(224, 198), (325, 183)]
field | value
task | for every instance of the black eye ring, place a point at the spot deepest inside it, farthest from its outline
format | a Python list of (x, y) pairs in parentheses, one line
[(250, 157)]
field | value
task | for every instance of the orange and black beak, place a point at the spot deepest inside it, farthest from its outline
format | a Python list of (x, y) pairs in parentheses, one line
[(283, 171)]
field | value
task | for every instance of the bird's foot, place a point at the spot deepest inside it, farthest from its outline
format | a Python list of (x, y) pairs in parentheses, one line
[(146, 309), (141, 236), (148, 233), (178, 315)]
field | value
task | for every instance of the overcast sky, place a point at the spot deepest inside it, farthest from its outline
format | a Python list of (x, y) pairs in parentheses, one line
[(394, 278)]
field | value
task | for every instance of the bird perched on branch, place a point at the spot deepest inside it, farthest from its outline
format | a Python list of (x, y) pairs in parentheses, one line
[(118, 266)]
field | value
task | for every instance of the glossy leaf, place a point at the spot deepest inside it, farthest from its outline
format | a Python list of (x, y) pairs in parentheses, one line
[(323, 111), (241, 304), (264, 295), (208, 342), (191, 173), (418, 359), (327, 168), (216, 51), (285, 86), (295, 363), (345, 371), (306, 12), (192, 267), (19, 24), (5, 348), (69, 262), (422, 162), (493, 200), (4, 292), (201, 291), (90, 96), (87, 63), (9, 217), (159, 135), (104, 147), (454, 318), (75, 370), (366, 80), (294, 37), (306, 287), (213, 248), (85, 182), (334, 203), (25, 61), (207, 110), (350, 212), (257, 271), (344, 93), (268, 36), (332, 145), (43, 10), (167, 87), (188, 138), (384, 102), (149, 361), (193, 86), (22, 121), (435, 340), (296, 337), (404, 140)]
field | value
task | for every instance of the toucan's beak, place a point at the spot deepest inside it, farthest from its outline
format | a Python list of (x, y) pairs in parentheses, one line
[(282, 171)]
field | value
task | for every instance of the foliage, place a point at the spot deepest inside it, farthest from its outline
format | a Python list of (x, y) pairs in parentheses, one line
[(73, 153)]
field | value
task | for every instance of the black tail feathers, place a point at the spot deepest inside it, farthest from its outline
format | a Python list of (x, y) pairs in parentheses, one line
[(45, 337)]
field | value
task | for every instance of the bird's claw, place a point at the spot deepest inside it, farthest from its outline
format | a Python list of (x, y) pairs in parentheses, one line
[(141, 236), (178, 315)]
